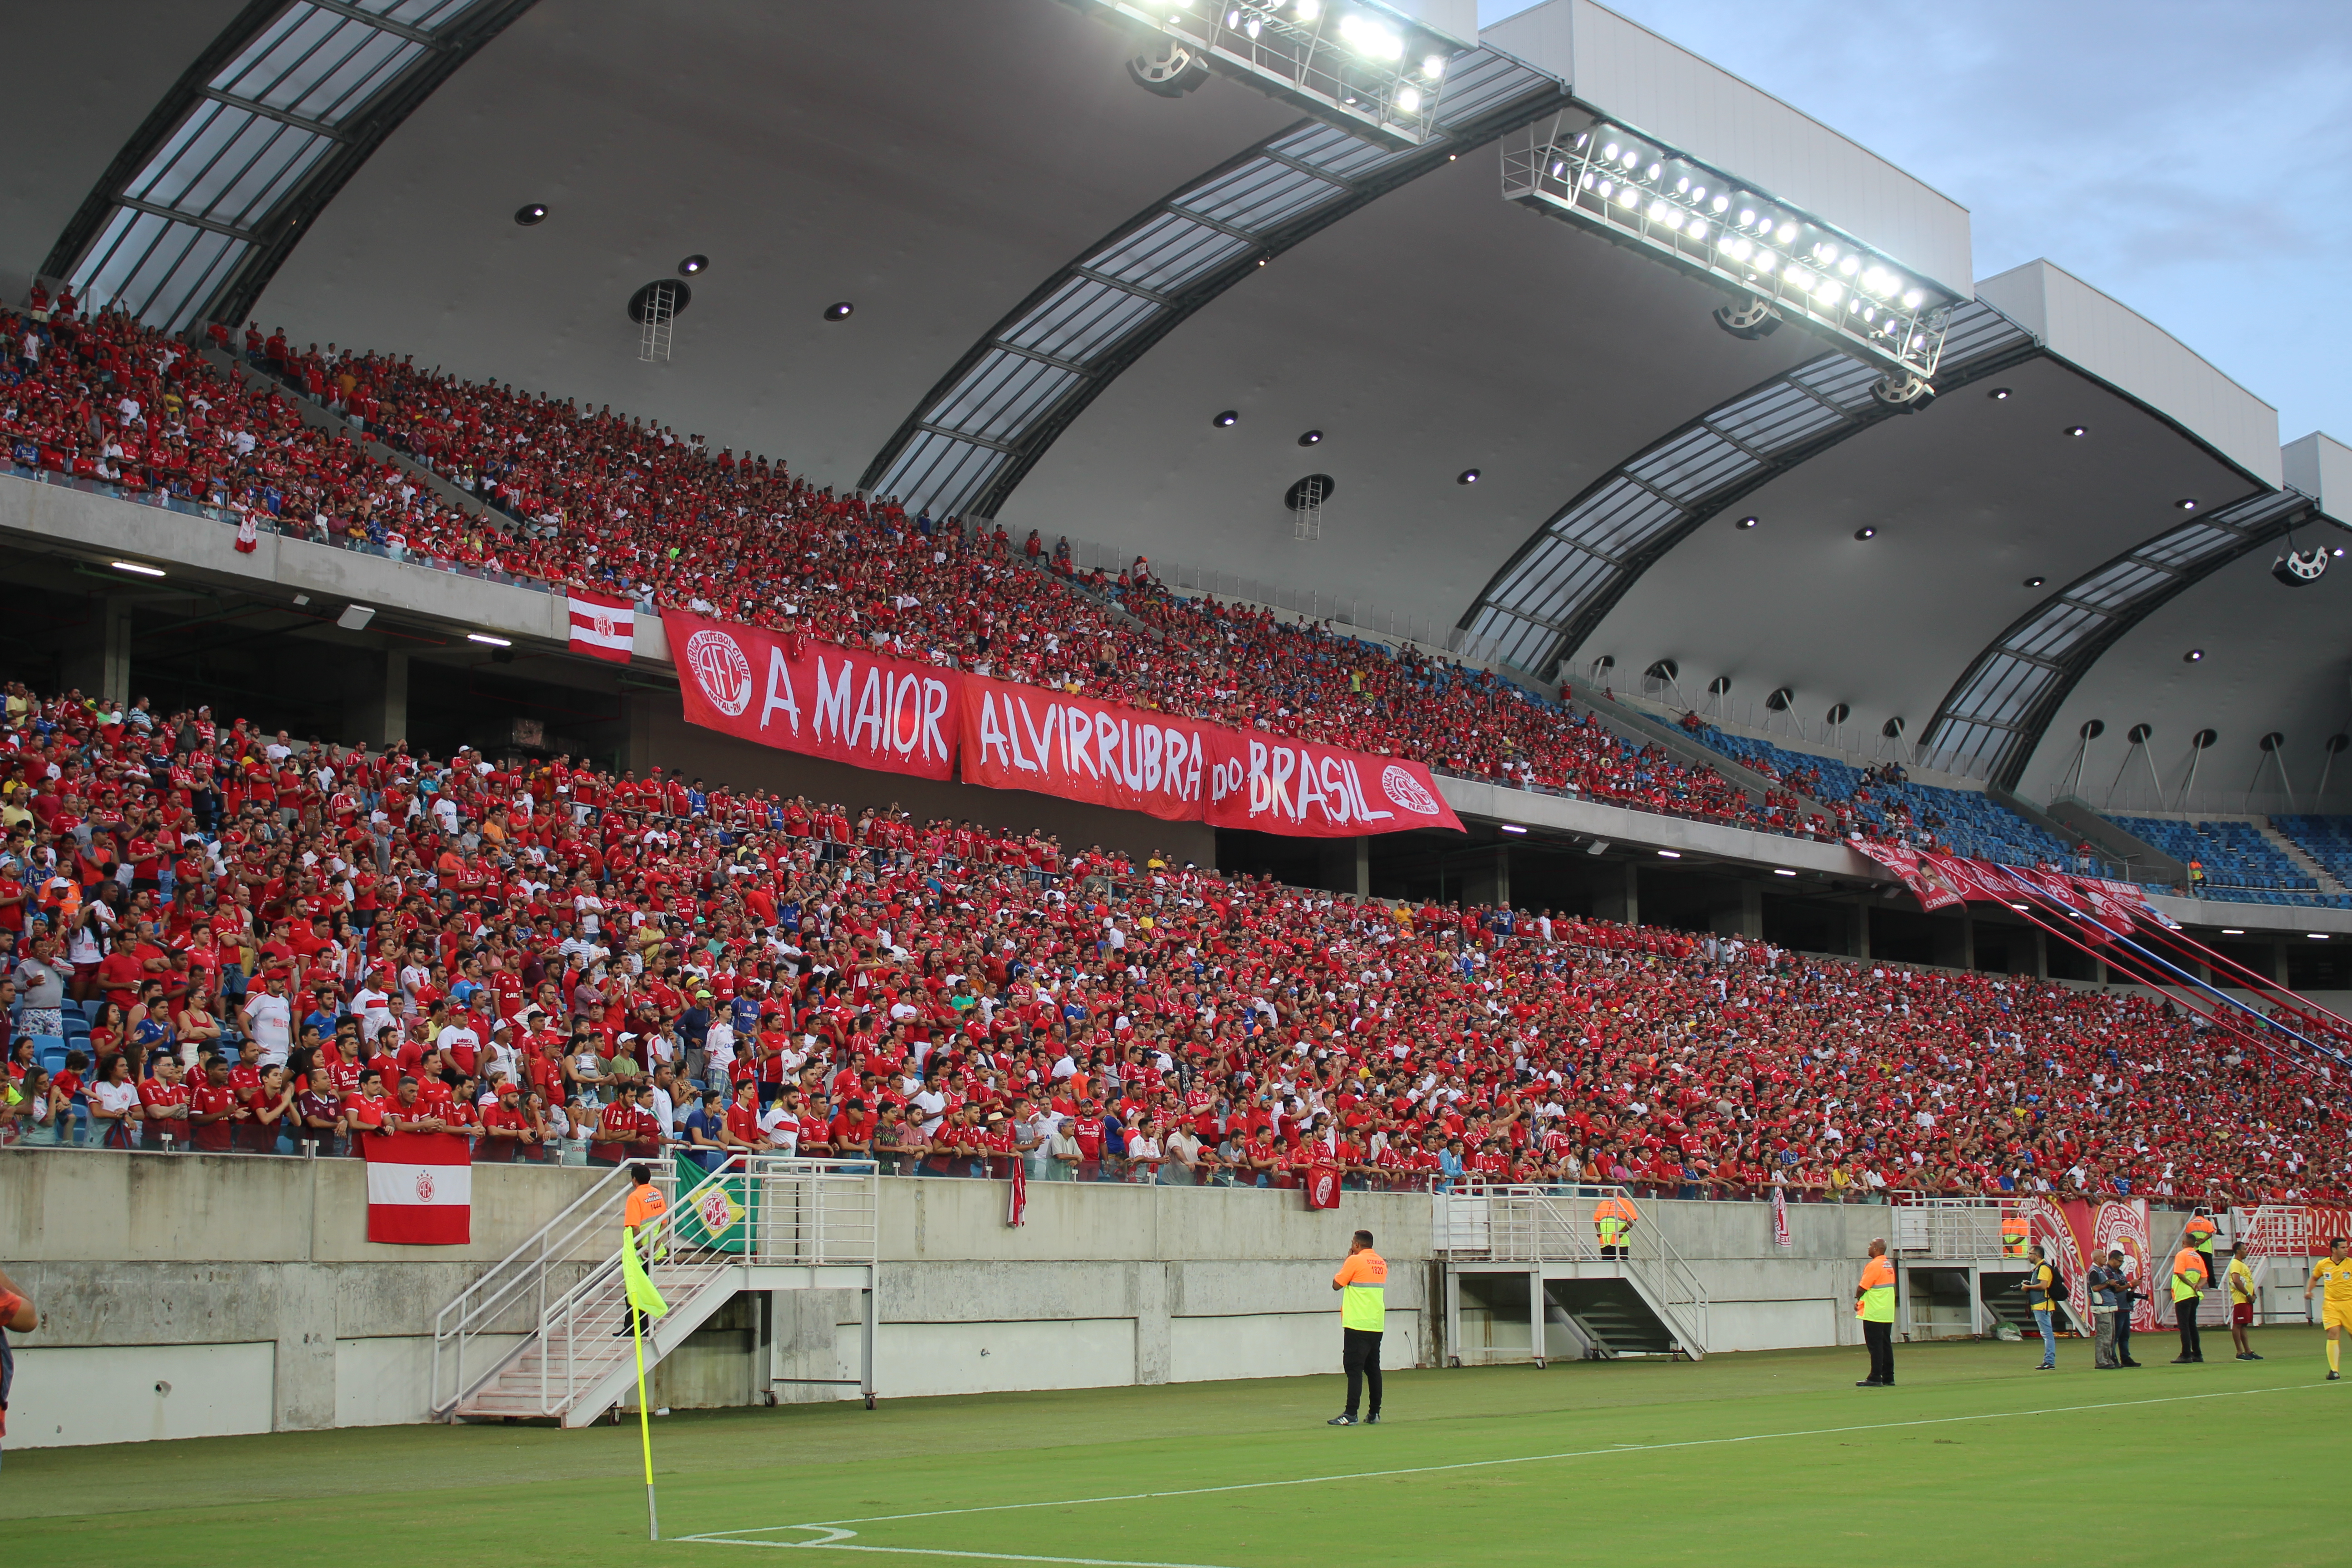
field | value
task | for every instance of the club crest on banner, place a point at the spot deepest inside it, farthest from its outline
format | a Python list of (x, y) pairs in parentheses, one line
[(720, 669), (1405, 790)]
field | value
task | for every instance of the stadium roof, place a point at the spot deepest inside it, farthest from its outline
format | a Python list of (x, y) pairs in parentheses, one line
[(1059, 278)]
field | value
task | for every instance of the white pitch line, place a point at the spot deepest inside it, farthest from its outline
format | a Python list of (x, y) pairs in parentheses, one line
[(839, 1542), (726, 1538)]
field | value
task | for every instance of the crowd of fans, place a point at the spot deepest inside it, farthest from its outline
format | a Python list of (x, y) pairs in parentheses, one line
[(220, 940), (568, 495)]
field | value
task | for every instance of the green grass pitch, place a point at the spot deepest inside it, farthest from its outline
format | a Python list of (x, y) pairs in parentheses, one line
[(1745, 1459)]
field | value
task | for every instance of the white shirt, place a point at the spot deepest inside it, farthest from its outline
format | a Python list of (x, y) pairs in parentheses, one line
[(456, 1034), (933, 1107), (273, 1026), (373, 1008), (782, 1128)]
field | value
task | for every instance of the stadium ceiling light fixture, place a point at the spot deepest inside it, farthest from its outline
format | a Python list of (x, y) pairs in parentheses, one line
[(1782, 871), (531, 212), (1226, 420), (1512, 827), (1779, 263), (1745, 522), (1367, 65), (1670, 854), (1312, 438), (2194, 655), (2036, 582), (487, 640), (2078, 430), (2316, 935), (2000, 395), (1866, 532), (2231, 930), (2187, 503), (140, 568), (1467, 477), (839, 310), (692, 265)]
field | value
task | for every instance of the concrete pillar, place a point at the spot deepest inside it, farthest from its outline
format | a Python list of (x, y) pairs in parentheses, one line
[(1858, 927), (1501, 875), (1740, 912), (1347, 865), (1154, 1333), (1956, 941), (2041, 954), (641, 732), (1620, 899), (378, 713), (98, 661)]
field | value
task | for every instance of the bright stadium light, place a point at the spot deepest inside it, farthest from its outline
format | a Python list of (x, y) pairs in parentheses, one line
[(1369, 65), (1746, 241)]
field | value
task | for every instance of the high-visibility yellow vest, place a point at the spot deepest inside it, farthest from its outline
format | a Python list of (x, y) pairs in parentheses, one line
[(2189, 1274), (1364, 1282), (1878, 1291)]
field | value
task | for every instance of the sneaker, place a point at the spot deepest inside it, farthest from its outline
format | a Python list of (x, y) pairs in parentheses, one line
[(2135, 1363), (2047, 1366), (1870, 1382), (1341, 1421), (2334, 1375), (2245, 1355), (1373, 1419), (2251, 1356), (2183, 1361)]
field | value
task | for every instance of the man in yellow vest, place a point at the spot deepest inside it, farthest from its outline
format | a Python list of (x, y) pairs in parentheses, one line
[(1873, 1304), (2015, 1233), (1362, 1283), (2189, 1276), (1612, 1220), (2332, 1277)]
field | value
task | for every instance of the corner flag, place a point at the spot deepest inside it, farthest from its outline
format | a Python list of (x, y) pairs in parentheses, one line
[(642, 1294), (644, 1304)]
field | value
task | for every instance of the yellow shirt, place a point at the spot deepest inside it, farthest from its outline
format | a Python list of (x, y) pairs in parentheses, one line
[(2338, 1280), (2241, 1280)]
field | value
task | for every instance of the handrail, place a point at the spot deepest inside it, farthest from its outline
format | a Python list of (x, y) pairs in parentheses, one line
[(1524, 1226)]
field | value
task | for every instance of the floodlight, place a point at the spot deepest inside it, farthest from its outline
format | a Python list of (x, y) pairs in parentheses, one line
[(1434, 67), (1786, 232), (1370, 37), (1748, 218), (1408, 100), (1307, 10), (355, 617)]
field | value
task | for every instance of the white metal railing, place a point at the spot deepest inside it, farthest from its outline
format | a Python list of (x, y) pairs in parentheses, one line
[(1524, 1225), (1963, 1229), (756, 1209)]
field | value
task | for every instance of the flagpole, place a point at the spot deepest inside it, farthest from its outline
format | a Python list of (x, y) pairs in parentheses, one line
[(644, 1415)]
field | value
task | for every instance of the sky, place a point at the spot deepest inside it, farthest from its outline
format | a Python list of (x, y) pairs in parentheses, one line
[(2192, 161)]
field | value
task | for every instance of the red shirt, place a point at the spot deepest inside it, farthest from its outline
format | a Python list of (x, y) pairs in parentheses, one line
[(214, 1137)]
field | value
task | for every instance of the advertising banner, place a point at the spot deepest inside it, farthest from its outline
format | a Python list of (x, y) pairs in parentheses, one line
[(801, 695), (2076, 1234)]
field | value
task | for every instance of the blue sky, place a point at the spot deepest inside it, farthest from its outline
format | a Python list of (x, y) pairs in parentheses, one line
[(2193, 160)]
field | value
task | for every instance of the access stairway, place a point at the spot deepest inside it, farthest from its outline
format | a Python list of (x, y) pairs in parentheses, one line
[(1514, 1256), (544, 1335)]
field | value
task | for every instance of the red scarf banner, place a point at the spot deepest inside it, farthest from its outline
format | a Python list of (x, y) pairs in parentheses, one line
[(1276, 785), (1035, 738), (799, 695)]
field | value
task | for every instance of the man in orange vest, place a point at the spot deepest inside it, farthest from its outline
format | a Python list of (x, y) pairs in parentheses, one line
[(640, 1225), (1873, 1304), (1612, 1220)]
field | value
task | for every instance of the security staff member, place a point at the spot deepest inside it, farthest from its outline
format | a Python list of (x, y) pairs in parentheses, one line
[(640, 1225), (1612, 1221), (2015, 1233), (2189, 1276), (1873, 1304), (1362, 1283), (2200, 1231)]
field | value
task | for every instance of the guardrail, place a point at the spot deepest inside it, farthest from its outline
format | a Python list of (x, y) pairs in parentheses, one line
[(1522, 1224)]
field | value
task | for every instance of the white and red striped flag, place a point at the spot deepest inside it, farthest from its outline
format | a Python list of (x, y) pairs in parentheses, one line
[(420, 1188), (603, 627)]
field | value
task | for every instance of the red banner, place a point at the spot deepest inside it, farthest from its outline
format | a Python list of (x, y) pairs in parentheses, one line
[(1903, 861), (2075, 1233), (1939, 881), (420, 1188), (816, 699), (1276, 785), (1323, 1186), (1033, 738)]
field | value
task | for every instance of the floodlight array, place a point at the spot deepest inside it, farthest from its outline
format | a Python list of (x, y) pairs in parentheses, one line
[(1639, 192), (1358, 61)]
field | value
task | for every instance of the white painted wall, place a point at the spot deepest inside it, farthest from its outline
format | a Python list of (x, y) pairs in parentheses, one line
[(1651, 84), (2320, 465), (68, 1396), (2125, 348)]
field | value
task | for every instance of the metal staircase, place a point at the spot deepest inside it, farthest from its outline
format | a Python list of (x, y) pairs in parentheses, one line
[(1648, 1300), (545, 1332)]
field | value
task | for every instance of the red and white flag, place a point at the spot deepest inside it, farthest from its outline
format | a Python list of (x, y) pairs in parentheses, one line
[(420, 1188), (603, 627), (1016, 1197), (1780, 1217)]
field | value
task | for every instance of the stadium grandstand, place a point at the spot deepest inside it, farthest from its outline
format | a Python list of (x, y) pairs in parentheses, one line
[(1076, 598)]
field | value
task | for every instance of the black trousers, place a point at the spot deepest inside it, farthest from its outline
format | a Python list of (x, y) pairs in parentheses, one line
[(1880, 1338), (1359, 1354), (2184, 1312)]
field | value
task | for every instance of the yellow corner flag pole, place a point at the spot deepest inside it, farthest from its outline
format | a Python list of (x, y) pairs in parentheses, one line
[(643, 1300)]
